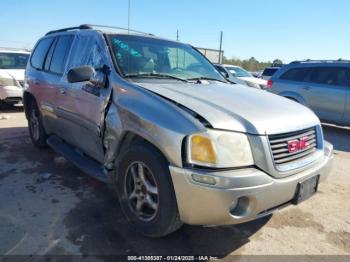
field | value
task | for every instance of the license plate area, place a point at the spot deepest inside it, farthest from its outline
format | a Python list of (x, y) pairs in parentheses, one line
[(306, 189)]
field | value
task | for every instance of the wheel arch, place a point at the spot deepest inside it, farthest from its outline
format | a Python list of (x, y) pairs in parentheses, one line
[(131, 138), (28, 99), (294, 96)]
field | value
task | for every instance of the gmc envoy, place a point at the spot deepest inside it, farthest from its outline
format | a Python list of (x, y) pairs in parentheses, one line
[(178, 144)]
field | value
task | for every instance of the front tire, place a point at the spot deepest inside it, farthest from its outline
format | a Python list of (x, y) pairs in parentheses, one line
[(36, 128), (145, 191)]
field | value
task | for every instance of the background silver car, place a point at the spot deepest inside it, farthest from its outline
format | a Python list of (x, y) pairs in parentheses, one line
[(323, 86)]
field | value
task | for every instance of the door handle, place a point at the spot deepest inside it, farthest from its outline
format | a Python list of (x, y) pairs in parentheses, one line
[(307, 88), (62, 91)]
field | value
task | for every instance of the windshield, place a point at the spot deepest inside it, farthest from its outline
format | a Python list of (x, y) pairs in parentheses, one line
[(238, 72), (13, 60), (149, 57)]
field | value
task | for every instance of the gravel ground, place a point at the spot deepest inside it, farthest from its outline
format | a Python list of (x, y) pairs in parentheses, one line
[(47, 206)]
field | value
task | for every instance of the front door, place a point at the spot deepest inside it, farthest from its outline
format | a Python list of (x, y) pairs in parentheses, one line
[(83, 105)]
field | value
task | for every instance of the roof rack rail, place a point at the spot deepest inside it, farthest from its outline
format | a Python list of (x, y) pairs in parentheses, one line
[(321, 61), (81, 27), (92, 26)]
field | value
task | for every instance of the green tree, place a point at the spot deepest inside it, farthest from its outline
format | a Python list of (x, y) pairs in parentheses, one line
[(251, 64)]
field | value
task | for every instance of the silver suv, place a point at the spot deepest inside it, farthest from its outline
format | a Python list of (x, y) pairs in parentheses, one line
[(323, 86), (178, 144)]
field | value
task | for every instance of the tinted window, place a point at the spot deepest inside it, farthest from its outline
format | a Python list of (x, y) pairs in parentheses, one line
[(269, 71), (330, 76), (60, 54), (40, 52), (297, 74)]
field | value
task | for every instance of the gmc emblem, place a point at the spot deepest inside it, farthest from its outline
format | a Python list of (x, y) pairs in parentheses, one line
[(298, 144)]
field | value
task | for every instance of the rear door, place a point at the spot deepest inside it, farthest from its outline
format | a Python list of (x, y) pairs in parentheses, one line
[(325, 92), (54, 68)]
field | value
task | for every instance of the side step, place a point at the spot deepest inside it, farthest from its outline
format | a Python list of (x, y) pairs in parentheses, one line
[(86, 164)]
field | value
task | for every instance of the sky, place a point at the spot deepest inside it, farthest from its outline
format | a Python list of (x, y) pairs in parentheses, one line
[(264, 29)]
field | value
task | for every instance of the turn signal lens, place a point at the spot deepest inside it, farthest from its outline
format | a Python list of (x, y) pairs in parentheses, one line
[(203, 179), (202, 150)]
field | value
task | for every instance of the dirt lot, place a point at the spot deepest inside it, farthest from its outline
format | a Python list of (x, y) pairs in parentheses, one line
[(47, 206)]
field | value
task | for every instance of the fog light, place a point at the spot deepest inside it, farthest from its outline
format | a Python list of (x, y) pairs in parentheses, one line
[(209, 180), (242, 208)]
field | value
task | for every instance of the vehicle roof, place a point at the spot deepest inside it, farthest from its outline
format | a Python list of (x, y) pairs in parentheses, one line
[(14, 50), (230, 65), (273, 67), (109, 30), (320, 62)]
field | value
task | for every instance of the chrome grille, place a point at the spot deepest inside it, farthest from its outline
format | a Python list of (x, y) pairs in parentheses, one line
[(280, 150)]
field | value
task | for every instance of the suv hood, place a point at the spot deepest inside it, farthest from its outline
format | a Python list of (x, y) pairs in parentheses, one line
[(237, 108)]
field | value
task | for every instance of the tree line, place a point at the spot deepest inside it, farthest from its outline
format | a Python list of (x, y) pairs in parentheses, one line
[(251, 64)]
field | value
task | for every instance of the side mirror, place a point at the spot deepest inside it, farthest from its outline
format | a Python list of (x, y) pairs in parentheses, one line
[(80, 74), (87, 73)]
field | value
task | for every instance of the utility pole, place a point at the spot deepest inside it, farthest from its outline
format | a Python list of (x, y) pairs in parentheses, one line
[(177, 35), (220, 50)]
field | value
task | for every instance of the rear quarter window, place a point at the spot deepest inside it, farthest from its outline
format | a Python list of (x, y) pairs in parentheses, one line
[(39, 54)]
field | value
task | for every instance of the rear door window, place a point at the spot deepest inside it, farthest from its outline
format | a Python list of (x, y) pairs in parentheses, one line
[(39, 54), (297, 74), (60, 54), (338, 76)]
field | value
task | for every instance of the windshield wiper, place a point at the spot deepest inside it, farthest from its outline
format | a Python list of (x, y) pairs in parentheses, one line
[(206, 78), (156, 76)]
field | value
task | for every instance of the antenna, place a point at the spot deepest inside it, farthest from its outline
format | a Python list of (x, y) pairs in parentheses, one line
[(129, 4), (220, 50)]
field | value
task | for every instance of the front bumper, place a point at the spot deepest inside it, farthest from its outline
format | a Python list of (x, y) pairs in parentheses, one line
[(240, 195)]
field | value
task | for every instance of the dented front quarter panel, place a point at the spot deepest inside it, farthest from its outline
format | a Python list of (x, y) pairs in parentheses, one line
[(143, 113)]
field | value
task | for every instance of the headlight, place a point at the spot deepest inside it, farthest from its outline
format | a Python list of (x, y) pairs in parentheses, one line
[(219, 149), (6, 81)]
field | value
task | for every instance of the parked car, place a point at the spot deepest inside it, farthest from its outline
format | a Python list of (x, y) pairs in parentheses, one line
[(243, 75), (269, 72), (323, 86), (156, 120), (12, 65), (225, 73)]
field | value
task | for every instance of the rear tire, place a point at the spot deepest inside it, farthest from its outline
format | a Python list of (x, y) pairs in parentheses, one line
[(145, 191), (36, 128)]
